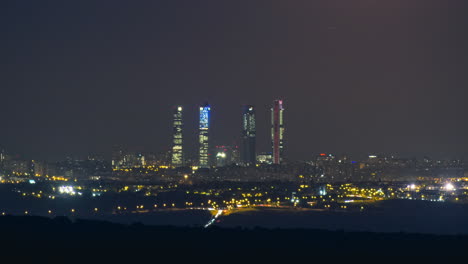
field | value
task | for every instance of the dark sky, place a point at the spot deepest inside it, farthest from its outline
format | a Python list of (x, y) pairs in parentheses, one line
[(356, 76)]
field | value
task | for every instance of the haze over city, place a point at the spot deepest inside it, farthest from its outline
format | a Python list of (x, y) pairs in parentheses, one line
[(359, 77), (307, 128)]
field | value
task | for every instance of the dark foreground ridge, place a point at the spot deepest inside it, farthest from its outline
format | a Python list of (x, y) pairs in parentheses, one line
[(33, 232)]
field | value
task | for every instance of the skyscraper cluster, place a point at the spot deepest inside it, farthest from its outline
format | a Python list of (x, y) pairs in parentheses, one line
[(249, 134)]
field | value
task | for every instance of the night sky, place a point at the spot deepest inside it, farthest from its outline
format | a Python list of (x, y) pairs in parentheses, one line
[(356, 76)]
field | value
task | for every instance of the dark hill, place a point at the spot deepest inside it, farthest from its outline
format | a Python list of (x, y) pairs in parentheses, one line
[(37, 233)]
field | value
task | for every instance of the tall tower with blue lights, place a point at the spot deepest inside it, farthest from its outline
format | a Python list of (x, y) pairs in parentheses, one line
[(204, 135)]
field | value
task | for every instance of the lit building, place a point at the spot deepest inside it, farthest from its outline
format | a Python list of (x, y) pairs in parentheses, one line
[(221, 157), (324, 157), (18, 167), (248, 136), (226, 155), (203, 136), (140, 163), (235, 155), (40, 168), (264, 158), (117, 158), (277, 131), (177, 151), (122, 159)]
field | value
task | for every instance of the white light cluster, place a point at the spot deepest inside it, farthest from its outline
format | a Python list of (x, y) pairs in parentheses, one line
[(67, 190), (449, 187)]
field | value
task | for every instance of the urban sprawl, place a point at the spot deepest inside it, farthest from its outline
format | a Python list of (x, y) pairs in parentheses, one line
[(227, 177)]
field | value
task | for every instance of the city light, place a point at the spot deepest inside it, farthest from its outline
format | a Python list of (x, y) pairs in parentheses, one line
[(449, 187), (221, 155), (329, 181), (66, 190), (341, 122)]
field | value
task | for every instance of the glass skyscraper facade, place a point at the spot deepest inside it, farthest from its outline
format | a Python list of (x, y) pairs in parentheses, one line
[(277, 131), (177, 149), (248, 136), (204, 136)]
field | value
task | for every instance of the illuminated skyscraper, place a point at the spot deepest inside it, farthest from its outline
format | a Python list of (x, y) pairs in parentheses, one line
[(177, 151), (248, 136), (203, 134), (277, 131)]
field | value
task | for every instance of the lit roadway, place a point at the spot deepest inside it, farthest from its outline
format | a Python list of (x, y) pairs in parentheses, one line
[(213, 219)]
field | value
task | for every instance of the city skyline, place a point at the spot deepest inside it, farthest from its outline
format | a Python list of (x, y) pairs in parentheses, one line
[(318, 126), (247, 139), (358, 77)]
